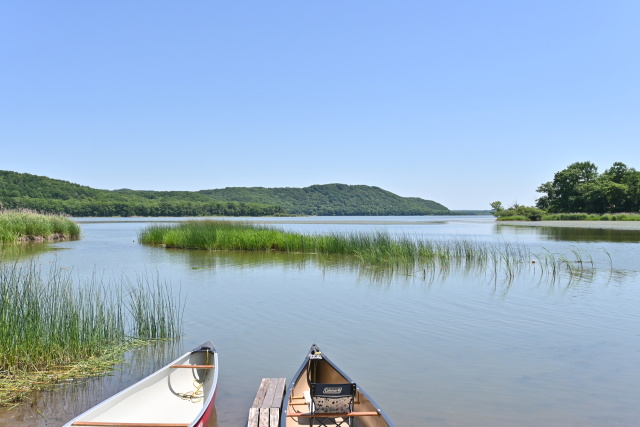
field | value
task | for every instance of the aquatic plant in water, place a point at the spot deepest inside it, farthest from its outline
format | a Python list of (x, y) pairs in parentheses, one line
[(52, 328), (378, 249)]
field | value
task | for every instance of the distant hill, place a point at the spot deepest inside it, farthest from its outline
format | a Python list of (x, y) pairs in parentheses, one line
[(22, 190), (331, 199)]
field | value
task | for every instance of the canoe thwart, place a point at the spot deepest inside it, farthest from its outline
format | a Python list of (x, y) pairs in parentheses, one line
[(335, 414), (119, 424), (193, 366)]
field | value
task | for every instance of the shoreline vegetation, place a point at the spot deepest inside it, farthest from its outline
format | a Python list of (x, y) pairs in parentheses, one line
[(580, 193), (575, 217), (518, 212), (379, 250), (24, 225), (54, 330)]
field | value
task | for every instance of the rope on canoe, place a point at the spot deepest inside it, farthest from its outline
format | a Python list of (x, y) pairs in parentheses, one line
[(198, 394), (194, 396)]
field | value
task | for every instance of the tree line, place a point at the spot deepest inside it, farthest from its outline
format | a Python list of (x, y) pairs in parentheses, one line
[(89, 208), (26, 191), (20, 190)]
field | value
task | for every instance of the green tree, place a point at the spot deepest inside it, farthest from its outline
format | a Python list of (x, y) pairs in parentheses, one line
[(564, 192), (602, 196), (616, 173), (496, 207), (579, 188)]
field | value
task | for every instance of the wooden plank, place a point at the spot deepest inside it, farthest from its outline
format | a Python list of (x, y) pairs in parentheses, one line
[(254, 412), (254, 417), (280, 390), (265, 411), (270, 393), (276, 405), (264, 417), (262, 390), (274, 393), (274, 417)]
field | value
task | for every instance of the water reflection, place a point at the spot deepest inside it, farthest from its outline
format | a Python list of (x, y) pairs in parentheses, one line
[(573, 234), (497, 270), (16, 251)]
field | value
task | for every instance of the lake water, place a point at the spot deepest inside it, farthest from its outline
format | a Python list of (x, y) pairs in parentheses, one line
[(455, 348)]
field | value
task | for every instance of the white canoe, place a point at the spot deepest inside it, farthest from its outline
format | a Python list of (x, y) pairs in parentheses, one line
[(317, 368), (179, 395)]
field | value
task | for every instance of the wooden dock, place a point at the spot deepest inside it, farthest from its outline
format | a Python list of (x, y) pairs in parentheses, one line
[(266, 408)]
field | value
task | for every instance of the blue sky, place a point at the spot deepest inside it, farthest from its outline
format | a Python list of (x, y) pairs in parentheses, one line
[(461, 102)]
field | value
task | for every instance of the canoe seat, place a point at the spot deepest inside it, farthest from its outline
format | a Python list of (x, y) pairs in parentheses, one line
[(331, 399)]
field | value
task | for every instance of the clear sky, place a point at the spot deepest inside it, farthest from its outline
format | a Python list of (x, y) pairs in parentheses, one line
[(461, 102)]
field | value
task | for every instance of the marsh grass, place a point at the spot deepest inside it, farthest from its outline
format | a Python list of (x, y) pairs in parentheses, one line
[(591, 217), (513, 218), (28, 225), (378, 250), (53, 329), (154, 311)]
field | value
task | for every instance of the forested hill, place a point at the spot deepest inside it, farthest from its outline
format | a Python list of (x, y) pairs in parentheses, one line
[(22, 190), (331, 199)]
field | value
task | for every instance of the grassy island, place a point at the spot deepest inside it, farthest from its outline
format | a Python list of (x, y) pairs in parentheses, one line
[(377, 249), (16, 226), (52, 329)]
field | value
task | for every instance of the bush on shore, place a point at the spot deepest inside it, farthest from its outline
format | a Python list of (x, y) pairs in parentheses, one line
[(527, 213), (516, 212)]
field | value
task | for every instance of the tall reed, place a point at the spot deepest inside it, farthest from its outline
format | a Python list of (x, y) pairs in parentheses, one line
[(48, 321), (154, 311)]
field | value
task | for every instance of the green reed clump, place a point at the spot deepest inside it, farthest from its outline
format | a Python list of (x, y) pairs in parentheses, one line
[(221, 235), (25, 225), (50, 326), (514, 218), (376, 249), (154, 311), (620, 217), (591, 217), (565, 217)]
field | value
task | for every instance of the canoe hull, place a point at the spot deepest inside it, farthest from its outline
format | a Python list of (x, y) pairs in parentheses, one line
[(182, 393), (318, 368)]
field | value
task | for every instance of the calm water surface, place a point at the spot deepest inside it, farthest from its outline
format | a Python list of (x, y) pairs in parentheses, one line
[(449, 349)]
